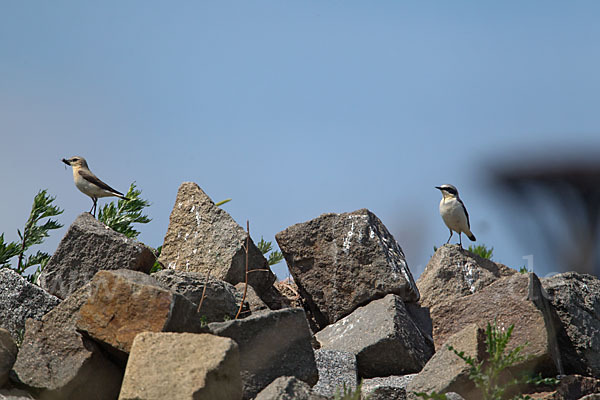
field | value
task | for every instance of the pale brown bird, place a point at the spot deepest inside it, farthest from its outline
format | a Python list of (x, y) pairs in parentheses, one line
[(90, 184)]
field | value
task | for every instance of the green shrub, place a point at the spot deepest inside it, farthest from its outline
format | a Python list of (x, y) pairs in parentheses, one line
[(33, 234), (482, 251), (488, 374)]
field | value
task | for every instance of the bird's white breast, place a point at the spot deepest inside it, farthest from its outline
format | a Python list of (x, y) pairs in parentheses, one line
[(453, 215)]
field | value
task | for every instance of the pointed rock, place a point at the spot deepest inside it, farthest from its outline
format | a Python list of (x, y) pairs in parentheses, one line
[(88, 247), (454, 272), (343, 261), (203, 237)]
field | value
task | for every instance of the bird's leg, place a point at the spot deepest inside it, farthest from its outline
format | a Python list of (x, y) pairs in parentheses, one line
[(448, 241), (94, 206), (460, 239)]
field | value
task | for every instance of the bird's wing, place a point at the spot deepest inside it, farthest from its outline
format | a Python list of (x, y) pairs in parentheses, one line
[(88, 176), (466, 213)]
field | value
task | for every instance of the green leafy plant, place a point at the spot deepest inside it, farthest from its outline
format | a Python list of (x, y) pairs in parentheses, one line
[(346, 393), (489, 375), (482, 251), (121, 215), (157, 266), (523, 270), (264, 246), (33, 234)]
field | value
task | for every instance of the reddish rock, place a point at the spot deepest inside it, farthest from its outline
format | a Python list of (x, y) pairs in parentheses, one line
[(507, 301), (124, 303)]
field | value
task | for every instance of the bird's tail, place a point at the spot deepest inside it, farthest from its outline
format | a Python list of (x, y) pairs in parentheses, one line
[(121, 196), (471, 236)]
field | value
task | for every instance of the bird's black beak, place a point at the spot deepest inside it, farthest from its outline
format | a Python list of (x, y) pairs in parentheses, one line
[(437, 187), (66, 161)]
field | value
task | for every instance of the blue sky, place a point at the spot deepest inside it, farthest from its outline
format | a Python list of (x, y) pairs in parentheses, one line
[(294, 109)]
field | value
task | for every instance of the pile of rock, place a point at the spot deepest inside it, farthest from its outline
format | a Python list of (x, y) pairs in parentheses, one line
[(100, 326)]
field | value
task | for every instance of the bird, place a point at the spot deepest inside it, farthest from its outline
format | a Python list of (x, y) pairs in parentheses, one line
[(454, 213), (90, 184)]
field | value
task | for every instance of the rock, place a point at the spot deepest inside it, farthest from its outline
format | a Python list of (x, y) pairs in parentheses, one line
[(272, 344), (124, 303), (182, 366), (383, 336), (220, 302), (15, 394), (576, 299), (19, 300), (454, 396), (288, 388), (336, 369), (508, 302), (253, 302), (8, 355), (386, 388), (445, 371), (88, 247), (343, 261), (573, 387), (454, 272), (57, 362), (202, 237)]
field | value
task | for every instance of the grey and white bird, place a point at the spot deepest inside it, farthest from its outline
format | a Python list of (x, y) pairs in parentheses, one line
[(454, 213), (90, 184)]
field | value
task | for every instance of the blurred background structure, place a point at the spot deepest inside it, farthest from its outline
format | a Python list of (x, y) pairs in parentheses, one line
[(558, 209)]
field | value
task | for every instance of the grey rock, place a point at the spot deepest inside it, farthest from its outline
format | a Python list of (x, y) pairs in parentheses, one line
[(8, 355), (252, 303), (445, 371), (576, 299), (343, 261), (454, 272), (288, 388), (182, 366), (15, 394), (336, 369), (220, 302), (203, 237), (88, 247), (124, 303), (383, 336), (576, 387), (57, 362), (454, 396), (19, 300), (272, 344), (386, 388)]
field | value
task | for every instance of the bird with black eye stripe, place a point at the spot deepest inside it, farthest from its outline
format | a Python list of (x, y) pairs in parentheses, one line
[(90, 184), (454, 213)]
